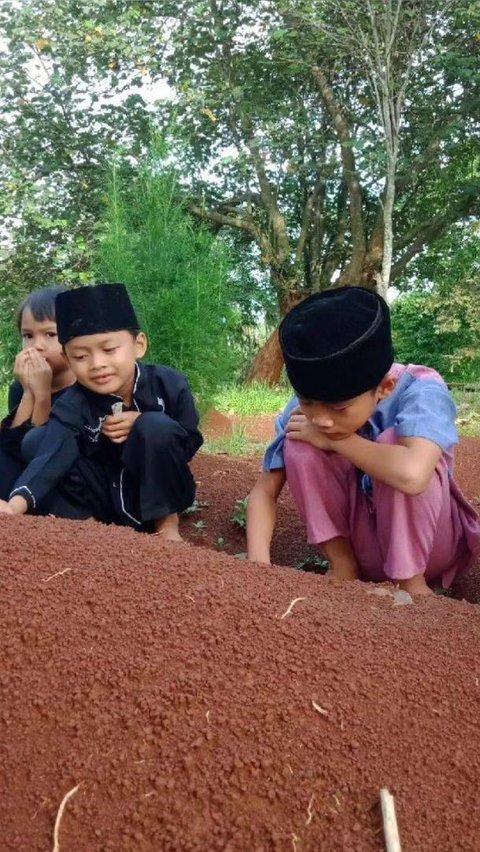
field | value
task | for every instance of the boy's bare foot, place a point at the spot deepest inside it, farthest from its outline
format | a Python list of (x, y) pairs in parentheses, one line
[(416, 586), (343, 572), (342, 559), (167, 528)]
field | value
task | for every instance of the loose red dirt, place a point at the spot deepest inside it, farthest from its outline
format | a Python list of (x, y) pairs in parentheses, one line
[(164, 681)]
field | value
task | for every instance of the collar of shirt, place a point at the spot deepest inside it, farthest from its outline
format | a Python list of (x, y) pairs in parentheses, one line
[(102, 405)]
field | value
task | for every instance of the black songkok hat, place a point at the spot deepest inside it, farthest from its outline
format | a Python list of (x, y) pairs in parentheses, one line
[(94, 310), (337, 344)]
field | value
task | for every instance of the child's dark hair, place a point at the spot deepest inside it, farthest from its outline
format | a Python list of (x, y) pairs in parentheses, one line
[(41, 304)]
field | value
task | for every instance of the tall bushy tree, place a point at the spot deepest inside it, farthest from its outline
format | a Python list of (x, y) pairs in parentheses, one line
[(178, 275), (277, 112)]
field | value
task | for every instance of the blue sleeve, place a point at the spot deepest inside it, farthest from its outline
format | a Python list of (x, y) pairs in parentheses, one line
[(273, 458), (427, 410)]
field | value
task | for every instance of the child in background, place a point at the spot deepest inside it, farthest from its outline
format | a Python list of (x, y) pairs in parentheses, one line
[(367, 449), (118, 443), (42, 373)]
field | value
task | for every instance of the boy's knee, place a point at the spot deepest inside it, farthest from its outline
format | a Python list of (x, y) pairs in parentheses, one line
[(31, 443), (300, 451), (155, 427), (301, 454)]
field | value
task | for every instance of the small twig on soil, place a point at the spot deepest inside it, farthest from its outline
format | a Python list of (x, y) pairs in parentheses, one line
[(309, 810), (290, 607), (56, 830), (58, 574), (319, 709), (207, 716), (295, 840), (390, 828)]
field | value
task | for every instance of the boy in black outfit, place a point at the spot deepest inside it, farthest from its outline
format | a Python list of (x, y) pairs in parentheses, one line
[(118, 442)]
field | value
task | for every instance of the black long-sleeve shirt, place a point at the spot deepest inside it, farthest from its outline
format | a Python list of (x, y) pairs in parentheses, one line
[(77, 418), (11, 437)]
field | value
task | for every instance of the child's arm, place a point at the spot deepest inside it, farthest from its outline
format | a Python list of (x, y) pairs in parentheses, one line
[(15, 506), (261, 514), (25, 406), (57, 452), (407, 466)]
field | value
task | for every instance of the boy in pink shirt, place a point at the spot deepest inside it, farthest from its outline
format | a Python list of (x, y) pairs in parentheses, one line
[(366, 446)]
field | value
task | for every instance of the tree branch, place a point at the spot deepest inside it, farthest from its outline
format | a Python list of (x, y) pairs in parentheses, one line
[(428, 231), (350, 175)]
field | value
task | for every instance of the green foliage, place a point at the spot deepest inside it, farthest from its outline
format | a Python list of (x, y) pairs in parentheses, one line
[(235, 444), (253, 137), (437, 321), (249, 400), (239, 516), (3, 400), (177, 274), (440, 330)]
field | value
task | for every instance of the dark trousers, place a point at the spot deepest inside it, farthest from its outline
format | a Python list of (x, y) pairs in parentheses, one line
[(10, 470), (148, 479)]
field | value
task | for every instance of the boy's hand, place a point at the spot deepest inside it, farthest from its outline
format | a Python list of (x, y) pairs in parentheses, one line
[(39, 374), (20, 369), (5, 508), (299, 428), (117, 426)]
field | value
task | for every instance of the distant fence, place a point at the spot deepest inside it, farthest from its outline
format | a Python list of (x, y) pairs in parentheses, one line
[(467, 398), (464, 387)]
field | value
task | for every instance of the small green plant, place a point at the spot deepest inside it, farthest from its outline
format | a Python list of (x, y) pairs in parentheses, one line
[(196, 506), (239, 517), (241, 555), (199, 525), (312, 562), (220, 543)]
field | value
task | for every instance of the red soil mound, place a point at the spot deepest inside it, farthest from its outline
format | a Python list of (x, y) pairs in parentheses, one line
[(164, 681)]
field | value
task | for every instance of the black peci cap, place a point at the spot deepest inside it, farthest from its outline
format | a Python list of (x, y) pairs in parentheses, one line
[(94, 310), (337, 344)]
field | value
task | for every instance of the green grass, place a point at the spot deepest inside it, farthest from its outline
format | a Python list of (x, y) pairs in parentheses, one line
[(236, 444), (250, 400)]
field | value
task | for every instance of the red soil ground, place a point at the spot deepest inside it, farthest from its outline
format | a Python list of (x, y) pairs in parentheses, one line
[(163, 680)]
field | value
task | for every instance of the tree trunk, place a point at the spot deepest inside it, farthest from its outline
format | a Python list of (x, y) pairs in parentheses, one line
[(268, 362), (383, 280)]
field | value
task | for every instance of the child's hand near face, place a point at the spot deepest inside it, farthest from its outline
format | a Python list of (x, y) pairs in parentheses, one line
[(300, 428), (39, 373), (20, 369), (117, 427), (33, 372)]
